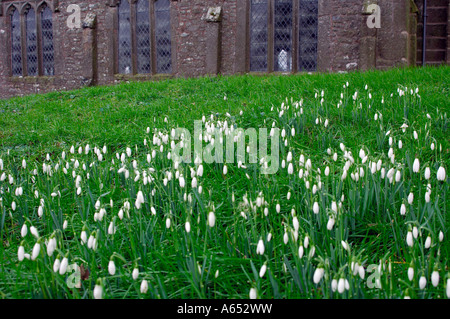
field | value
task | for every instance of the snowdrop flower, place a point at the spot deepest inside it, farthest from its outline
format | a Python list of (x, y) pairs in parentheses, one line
[(63, 266), (34, 231), (435, 278), (135, 273), (56, 264), (285, 237), (36, 250), (211, 219), (361, 272), (398, 176), (13, 206), (341, 285), (24, 230), (300, 251), (168, 222), (139, 199), (441, 174), (416, 165), (98, 291), (21, 253), (262, 271), (318, 274), (415, 232), (40, 211), (187, 226), (427, 173), (260, 247), (448, 288), (111, 228), (334, 284), (111, 267), (83, 237), (344, 245), (441, 236), (330, 223), (252, 293), (316, 208), (290, 169), (428, 242), (403, 209), (410, 273), (409, 239), (306, 242), (422, 282), (410, 198), (144, 286), (200, 170), (51, 246)]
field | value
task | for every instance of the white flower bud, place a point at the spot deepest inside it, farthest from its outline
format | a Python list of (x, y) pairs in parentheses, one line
[(441, 174), (410, 273), (98, 292), (318, 274), (422, 282), (21, 253), (63, 266), (24, 230), (144, 286), (36, 250), (135, 273), (409, 239), (111, 268), (260, 247), (211, 219), (262, 271), (435, 278), (252, 293)]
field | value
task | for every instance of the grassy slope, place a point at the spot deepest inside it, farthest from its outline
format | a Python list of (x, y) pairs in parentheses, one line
[(113, 115), (118, 116)]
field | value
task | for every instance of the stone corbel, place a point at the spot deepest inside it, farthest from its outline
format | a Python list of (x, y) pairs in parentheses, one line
[(365, 7), (214, 14), (90, 21), (56, 5)]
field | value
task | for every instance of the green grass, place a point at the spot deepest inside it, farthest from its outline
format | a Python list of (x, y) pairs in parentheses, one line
[(117, 117)]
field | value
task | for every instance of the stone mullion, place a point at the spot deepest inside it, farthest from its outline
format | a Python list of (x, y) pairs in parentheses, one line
[(153, 56), (295, 35), (39, 41), (23, 42), (270, 36), (133, 36)]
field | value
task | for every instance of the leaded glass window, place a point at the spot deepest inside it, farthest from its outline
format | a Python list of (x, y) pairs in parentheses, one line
[(31, 42), (124, 32), (16, 44), (162, 35), (144, 37), (283, 35), (308, 16), (259, 17), (32, 50), (48, 55)]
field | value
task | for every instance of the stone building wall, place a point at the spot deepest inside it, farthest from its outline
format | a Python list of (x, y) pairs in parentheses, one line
[(87, 55)]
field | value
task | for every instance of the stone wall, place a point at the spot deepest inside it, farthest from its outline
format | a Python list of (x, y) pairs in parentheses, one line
[(87, 55)]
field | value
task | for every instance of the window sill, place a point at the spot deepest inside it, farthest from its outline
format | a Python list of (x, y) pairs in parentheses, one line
[(142, 77), (32, 79)]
